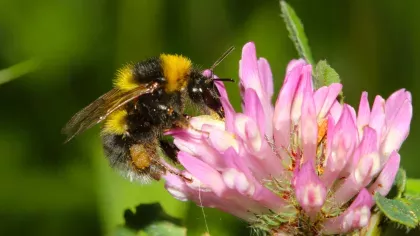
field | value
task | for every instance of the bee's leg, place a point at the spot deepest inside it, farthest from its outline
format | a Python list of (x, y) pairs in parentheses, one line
[(174, 172), (188, 125), (181, 120), (184, 123), (170, 150)]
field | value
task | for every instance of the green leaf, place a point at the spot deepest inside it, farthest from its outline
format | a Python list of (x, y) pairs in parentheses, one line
[(17, 70), (325, 75), (165, 229), (400, 182), (397, 211), (296, 31), (414, 205), (124, 231), (151, 219), (412, 187)]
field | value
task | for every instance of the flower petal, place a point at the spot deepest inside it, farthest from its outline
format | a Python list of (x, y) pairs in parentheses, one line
[(252, 107), (305, 81), (203, 172), (386, 178), (309, 125), (332, 92), (310, 192), (341, 144), (282, 111), (377, 117), (363, 113), (248, 69), (266, 76), (398, 127), (355, 217)]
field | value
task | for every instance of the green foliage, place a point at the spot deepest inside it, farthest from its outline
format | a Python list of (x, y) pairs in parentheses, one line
[(152, 220), (403, 209), (165, 229), (397, 211), (414, 205), (325, 74), (400, 182), (296, 31)]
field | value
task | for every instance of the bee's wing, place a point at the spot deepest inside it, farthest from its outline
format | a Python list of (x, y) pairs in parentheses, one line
[(101, 108)]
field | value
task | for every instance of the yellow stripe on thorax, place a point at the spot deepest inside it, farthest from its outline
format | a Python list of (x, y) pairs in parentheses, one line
[(116, 123), (176, 69)]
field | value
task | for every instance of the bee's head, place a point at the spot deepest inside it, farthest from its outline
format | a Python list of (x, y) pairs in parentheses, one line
[(202, 90)]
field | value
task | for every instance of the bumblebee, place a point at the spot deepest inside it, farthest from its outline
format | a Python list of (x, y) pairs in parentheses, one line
[(148, 98)]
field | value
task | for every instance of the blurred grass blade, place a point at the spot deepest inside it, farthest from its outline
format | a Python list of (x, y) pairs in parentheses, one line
[(296, 31), (17, 70)]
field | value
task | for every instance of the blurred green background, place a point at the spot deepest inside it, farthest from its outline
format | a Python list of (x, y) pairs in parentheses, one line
[(47, 188)]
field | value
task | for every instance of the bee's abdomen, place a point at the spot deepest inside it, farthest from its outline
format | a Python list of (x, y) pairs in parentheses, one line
[(134, 160), (116, 148)]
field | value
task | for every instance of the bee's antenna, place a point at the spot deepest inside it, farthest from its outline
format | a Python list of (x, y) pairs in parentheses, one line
[(221, 58), (224, 79)]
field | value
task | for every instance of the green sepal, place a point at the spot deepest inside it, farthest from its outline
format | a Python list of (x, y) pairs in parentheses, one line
[(296, 31), (400, 182)]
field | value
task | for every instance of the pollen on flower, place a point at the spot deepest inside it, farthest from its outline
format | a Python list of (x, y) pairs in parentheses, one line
[(322, 130)]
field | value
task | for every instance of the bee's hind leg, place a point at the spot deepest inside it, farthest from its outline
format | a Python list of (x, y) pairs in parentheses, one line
[(170, 150)]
